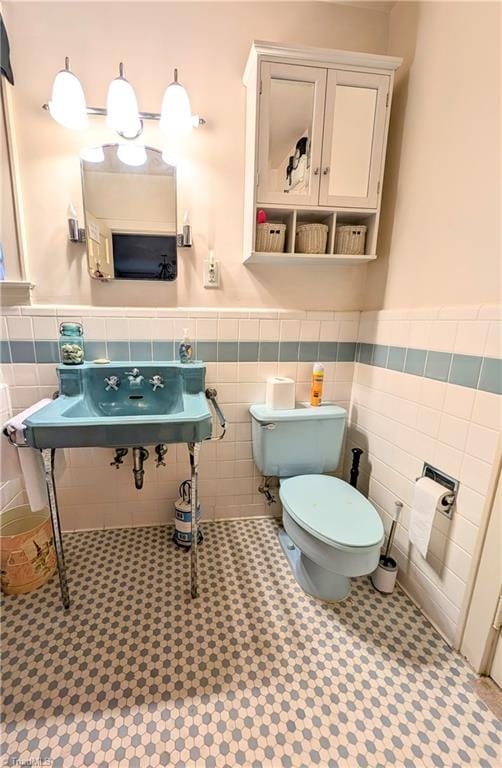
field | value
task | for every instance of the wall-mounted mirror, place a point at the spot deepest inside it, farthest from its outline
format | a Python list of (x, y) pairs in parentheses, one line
[(290, 132), (291, 120), (130, 213)]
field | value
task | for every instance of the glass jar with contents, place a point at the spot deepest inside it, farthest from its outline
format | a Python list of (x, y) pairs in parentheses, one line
[(71, 344)]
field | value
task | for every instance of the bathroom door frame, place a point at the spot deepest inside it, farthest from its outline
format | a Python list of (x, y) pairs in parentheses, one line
[(478, 637)]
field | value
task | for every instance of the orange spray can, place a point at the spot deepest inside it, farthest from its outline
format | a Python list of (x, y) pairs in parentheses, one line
[(316, 386)]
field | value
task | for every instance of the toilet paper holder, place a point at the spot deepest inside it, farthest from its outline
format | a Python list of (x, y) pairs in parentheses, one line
[(446, 506)]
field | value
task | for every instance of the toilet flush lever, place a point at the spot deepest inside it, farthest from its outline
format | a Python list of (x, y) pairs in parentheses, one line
[(269, 425)]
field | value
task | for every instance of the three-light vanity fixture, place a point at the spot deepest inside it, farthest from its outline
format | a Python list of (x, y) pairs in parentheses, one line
[(68, 107)]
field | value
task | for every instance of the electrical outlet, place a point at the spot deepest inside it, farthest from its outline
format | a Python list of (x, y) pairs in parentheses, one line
[(211, 272)]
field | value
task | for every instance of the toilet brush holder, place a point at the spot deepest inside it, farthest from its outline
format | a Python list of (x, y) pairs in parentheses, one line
[(384, 576)]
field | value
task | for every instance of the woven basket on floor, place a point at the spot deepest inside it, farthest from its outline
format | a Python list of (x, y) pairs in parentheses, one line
[(311, 238), (350, 239), (27, 553), (270, 237)]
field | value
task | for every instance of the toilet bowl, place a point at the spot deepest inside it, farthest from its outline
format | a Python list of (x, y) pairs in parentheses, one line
[(331, 533)]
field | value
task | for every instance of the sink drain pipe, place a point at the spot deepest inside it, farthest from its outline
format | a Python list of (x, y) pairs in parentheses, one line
[(139, 455)]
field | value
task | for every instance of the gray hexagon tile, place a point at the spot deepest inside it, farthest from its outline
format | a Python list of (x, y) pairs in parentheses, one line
[(253, 673)]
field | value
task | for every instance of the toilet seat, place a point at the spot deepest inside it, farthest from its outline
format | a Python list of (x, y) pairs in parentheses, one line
[(333, 511)]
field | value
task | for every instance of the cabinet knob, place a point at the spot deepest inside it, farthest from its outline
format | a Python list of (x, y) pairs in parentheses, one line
[(325, 171), (316, 171)]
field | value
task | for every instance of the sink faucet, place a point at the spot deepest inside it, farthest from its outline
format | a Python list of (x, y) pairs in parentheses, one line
[(157, 382), (134, 376), (112, 382)]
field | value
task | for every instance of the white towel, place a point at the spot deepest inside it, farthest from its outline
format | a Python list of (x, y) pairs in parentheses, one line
[(10, 468), (30, 459)]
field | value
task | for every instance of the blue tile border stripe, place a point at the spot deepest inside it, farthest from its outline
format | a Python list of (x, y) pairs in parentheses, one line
[(472, 371), (46, 351), (490, 379)]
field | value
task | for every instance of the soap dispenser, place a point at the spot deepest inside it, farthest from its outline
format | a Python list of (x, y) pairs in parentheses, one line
[(185, 349)]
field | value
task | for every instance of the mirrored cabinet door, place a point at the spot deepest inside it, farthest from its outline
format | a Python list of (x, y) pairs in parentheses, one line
[(291, 112), (354, 135)]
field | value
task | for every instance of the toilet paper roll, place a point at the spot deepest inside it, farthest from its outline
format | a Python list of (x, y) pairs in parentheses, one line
[(280, 394), (427, 498)]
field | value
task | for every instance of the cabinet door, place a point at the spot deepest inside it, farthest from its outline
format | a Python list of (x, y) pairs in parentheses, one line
[(354, 138), (290, 133)]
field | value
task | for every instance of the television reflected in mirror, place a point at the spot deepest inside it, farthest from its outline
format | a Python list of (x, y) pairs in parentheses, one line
[(130, 213)]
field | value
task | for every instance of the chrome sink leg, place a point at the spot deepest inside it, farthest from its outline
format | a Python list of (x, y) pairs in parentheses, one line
[(194, 450), (48, 455)]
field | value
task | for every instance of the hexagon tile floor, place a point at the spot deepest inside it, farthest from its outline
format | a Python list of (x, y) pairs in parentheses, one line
[(253, 673)]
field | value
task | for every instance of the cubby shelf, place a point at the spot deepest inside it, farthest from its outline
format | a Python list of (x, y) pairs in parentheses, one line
[(346, 260), (291, 216)]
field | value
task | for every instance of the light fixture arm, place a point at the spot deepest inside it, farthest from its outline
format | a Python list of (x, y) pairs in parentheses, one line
[(101, 111)]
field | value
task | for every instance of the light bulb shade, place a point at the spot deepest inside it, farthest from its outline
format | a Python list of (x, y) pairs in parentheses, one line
[(176, 114), (122, 108), (131, 154), (93, 155), (67, 105)]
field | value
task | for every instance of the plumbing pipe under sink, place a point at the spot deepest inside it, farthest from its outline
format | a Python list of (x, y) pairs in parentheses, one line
[(139, 455)]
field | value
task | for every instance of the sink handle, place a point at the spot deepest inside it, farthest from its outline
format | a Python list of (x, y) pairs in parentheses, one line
[(211, 395), (112, 382), (157, 382)]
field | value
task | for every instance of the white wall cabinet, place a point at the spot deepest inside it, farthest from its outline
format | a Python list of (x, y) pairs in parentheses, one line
[(316, 133)]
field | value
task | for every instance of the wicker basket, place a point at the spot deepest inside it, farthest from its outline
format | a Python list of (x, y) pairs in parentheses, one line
[(270, 237), (311, 238), (350, 239), (27, 554)]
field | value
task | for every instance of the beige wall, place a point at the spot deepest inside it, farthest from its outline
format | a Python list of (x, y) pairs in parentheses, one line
[(209, 43), (440, 235)]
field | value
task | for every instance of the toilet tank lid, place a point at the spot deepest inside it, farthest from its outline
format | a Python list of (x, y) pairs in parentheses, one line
[(302, 412)]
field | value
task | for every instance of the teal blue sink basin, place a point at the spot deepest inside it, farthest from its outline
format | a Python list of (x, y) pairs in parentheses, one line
[(112, 406)]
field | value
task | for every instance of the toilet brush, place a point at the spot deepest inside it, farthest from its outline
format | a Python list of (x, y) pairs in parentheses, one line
[(384, 576)]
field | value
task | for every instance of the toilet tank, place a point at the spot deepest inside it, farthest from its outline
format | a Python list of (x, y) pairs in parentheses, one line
[(304, 440)]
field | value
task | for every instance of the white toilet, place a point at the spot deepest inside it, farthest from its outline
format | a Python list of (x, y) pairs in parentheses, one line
[(331, 531)]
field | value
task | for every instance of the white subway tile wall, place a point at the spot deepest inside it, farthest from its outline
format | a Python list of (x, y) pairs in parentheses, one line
[(406, 406), (93, 494), (402, 420)]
